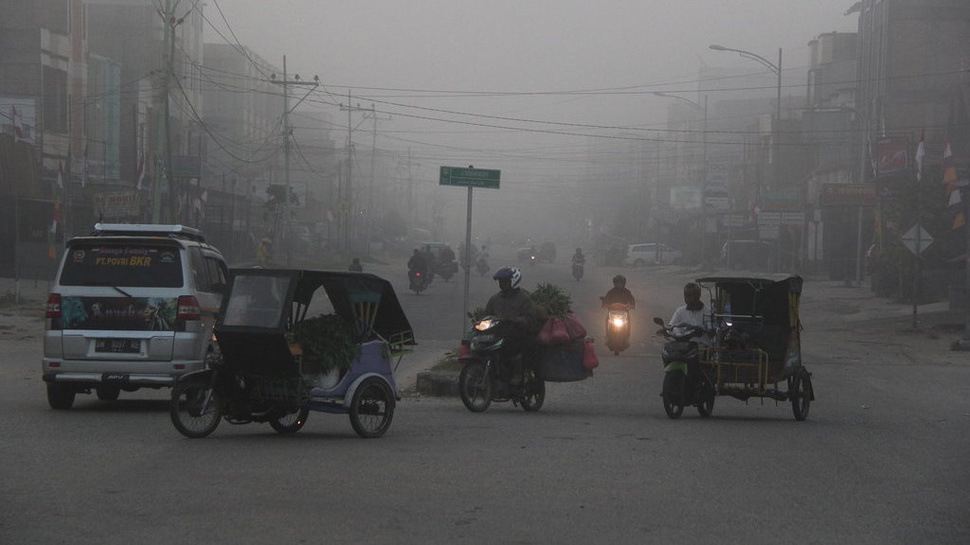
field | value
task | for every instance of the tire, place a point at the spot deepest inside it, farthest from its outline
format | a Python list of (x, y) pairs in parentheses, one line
[(372, 408), (475, 387), (107, 392), (673, 394), (534, 399), (706, 407), (800, 392), (60, 396), (292, 422), (195, 409)]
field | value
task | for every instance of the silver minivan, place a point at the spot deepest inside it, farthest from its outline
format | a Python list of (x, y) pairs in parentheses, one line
[(132, 306), (654, 253)]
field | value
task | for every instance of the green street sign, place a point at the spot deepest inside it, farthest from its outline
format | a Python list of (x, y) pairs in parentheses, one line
[(469, 177)]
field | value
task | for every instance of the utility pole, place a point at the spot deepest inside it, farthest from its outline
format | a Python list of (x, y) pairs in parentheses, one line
[(348, 204), (287, 134)]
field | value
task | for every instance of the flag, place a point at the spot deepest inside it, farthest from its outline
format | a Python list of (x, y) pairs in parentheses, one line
[(52, 232), (920, 153), (954, 198), (140, 174), (60, 175), (18, 126)]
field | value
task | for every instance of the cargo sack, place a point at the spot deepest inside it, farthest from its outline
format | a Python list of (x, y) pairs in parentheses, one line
[(553, 332), (590, 361), (574, 327)]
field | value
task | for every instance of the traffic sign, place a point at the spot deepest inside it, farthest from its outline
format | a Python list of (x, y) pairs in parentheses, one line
[(469, 177), (917, 239)]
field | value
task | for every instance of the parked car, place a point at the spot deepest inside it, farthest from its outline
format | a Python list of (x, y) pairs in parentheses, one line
[(748, 254), (652, 253), (132, 306)]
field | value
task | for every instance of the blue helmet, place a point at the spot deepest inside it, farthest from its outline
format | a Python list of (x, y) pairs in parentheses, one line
[(509, 273)]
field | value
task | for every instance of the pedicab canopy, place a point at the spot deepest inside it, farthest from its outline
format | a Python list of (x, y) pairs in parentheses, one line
[(767, 308), (263, 303)]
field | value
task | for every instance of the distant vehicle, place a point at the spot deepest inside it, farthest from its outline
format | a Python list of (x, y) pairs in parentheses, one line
[(652, 253), (547, 252), (748, 254)]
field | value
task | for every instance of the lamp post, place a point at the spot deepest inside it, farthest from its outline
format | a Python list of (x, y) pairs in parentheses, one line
[(703, 110), (776, 68)]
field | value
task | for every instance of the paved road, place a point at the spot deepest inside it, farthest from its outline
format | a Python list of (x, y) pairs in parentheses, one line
[(882, 458)]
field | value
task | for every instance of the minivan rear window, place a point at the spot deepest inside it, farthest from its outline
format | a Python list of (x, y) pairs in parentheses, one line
[(140, 265)]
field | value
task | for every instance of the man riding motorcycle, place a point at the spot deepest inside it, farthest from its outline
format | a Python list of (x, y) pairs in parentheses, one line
[(513, 307)]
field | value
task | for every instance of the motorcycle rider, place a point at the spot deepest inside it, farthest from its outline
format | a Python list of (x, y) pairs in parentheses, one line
[(418, 264), (578, 257), (355, 265), (693, 312), (619, 293), (514, 307)]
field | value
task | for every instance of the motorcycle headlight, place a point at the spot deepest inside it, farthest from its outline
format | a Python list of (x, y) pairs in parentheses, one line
[(618, 321), (484, 324)]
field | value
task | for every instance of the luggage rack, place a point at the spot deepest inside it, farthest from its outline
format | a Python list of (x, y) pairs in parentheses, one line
[(149, 229)]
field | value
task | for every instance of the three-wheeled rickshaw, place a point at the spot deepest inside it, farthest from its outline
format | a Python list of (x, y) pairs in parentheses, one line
[(755, 350), (275, 329)]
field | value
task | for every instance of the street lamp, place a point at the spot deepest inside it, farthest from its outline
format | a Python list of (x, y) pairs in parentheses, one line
[(702, 109), (776, 68)]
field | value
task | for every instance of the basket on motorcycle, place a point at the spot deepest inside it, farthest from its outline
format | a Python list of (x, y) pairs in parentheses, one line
[(562, 363)]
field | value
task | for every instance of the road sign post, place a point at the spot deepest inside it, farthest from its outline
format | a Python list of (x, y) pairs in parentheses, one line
[(471, 178)]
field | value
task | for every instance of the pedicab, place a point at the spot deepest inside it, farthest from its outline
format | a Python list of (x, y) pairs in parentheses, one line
[(275, 328), (755, 351)]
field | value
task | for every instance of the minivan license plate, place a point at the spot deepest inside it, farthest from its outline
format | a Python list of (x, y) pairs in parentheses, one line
[(118, 346)]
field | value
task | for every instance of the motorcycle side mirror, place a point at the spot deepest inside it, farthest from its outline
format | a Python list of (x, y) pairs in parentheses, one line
[(658, 321)]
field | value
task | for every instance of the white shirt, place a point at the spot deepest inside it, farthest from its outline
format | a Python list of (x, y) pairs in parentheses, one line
[(692, 317)]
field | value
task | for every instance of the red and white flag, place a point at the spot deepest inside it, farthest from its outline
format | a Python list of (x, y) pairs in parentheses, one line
[(140, 175), (60, 174)]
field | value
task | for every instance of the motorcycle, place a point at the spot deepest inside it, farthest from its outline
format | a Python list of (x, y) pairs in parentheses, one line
[(618, 327), (486, 375), (417, 281), (578, 270), (684, 383)]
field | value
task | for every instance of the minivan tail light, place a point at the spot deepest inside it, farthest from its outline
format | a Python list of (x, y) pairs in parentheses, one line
[(53, 306), (188, 308)]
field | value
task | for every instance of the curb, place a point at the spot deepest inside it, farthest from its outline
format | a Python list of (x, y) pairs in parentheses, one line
[(437, 383)]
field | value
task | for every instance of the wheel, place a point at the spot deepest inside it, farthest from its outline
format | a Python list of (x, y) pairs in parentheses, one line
[(536, 395), (800, 392), (372, 408), (292, 422), (706, 406), (196, 409), (60, 396), (475, 387), (108, 393), (673, 394)]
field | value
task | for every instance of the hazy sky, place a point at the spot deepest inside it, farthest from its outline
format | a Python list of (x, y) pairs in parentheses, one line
[(515, 80)]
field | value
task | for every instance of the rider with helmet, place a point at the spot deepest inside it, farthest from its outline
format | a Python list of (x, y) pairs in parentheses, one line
[(619, 293), (514, 307), (578, 257)]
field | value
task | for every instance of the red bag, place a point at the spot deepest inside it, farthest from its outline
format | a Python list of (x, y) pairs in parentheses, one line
[(574, 327), (553, 332), (590, 361)]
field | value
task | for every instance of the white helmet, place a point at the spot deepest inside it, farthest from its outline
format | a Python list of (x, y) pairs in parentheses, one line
[(510, 273)]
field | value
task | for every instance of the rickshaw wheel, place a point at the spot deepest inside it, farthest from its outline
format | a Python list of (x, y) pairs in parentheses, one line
[(673, 394), (372, 408), (536, 395), (292, 422), (800, 393), (195, 409), (475, 387), (706, 407)]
